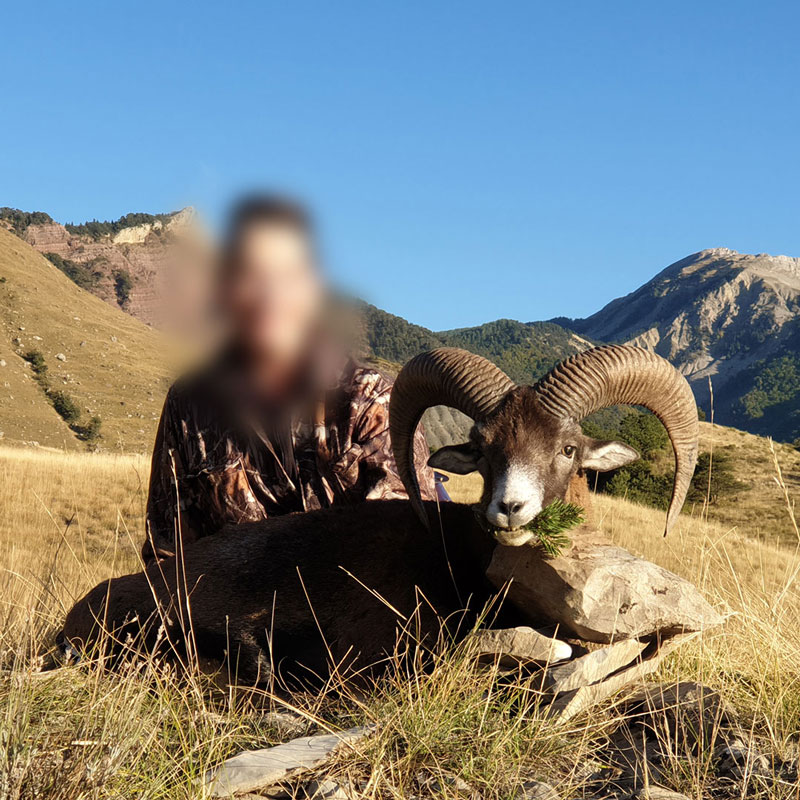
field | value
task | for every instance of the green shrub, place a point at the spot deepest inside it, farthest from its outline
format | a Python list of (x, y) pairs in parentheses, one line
[(65, 406), (645, 433), (638, 482), (90, 432), (36, 359), (20, 220), (777, 382), (97, 229), (123, 283), (84, 275), (713, 479)]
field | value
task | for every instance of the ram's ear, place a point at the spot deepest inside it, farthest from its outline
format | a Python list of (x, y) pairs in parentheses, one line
[(603, 456), (460, 459)]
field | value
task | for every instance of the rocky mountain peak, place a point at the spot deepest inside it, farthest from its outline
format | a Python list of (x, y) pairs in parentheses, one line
[(720, 315)]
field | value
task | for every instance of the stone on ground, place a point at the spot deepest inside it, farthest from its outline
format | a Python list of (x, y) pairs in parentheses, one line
[(256, 769), (658, 793), (600, 592), (325, 790), (512, 646), (593, 667), (536, 790), (567, 705)]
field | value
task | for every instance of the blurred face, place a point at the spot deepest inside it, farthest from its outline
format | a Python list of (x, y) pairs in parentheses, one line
[(273, 295)]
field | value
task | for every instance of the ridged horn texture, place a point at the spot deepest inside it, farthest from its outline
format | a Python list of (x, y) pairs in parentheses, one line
[(446, 376), (622, 374)]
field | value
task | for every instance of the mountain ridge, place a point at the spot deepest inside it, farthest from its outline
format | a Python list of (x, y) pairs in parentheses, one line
[(720, 316), (726, 317)]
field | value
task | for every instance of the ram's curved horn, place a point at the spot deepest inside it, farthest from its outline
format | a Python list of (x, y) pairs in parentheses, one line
[(617, 374), (446, 376)]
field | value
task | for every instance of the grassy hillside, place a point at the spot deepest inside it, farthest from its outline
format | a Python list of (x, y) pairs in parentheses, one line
[(71, 520), (742, 487), (113, 366), (759, 508)]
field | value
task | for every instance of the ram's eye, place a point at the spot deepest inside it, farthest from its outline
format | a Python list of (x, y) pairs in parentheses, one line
[(569, 450)]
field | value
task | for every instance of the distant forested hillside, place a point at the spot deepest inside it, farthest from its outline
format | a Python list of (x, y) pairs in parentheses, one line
[(525, 351), (392, 338)]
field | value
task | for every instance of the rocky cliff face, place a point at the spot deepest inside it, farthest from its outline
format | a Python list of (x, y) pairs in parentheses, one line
[(130, 269), (729, 317)]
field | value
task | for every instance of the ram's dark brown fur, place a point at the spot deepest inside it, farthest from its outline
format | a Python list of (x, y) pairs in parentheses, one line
[(301, 595), (299, 592)]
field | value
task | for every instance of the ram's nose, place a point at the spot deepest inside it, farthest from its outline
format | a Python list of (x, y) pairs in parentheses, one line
[(510, 514)]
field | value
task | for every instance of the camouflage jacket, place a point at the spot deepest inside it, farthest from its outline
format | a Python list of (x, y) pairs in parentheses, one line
[(220, 470)]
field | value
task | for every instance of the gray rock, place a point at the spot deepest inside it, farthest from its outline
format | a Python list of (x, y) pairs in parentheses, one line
[(599, 591), (287, 723), (567, 705), (690, 709), (658, 793), (594, 666), (446, 784), (662, 720), (2, 362), (536, 790), (740, 761), (325, 790), (512, 646), (256, 769), (790, 771), (61, 357)]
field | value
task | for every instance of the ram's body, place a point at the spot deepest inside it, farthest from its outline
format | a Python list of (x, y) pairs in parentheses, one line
[(312, 591), (304, 591)]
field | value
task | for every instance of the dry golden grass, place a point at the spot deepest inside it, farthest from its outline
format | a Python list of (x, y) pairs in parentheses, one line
[(70, 520), (759, 510)]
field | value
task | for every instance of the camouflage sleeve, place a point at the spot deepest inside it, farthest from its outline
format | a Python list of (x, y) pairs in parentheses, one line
[(378, 466), (167, 465)]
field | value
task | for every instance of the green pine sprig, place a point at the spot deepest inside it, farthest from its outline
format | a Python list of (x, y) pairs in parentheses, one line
[(552, 523)]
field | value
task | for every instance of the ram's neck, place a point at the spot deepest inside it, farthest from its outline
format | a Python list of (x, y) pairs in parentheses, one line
[(578, 493), (469, 543)]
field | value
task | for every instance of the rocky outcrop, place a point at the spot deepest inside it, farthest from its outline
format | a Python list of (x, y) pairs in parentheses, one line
[(148, 254), (714, 315)]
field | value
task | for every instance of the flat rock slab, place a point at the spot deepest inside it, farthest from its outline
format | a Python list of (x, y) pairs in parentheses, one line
[(511, 646), (593, 667), (256, 769), (600, 592), (567, 705)]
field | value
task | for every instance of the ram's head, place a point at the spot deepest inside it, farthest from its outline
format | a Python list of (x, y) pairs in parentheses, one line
[(527, 441)]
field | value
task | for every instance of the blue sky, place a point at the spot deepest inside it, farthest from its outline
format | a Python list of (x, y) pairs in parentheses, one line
[(468, 160)]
